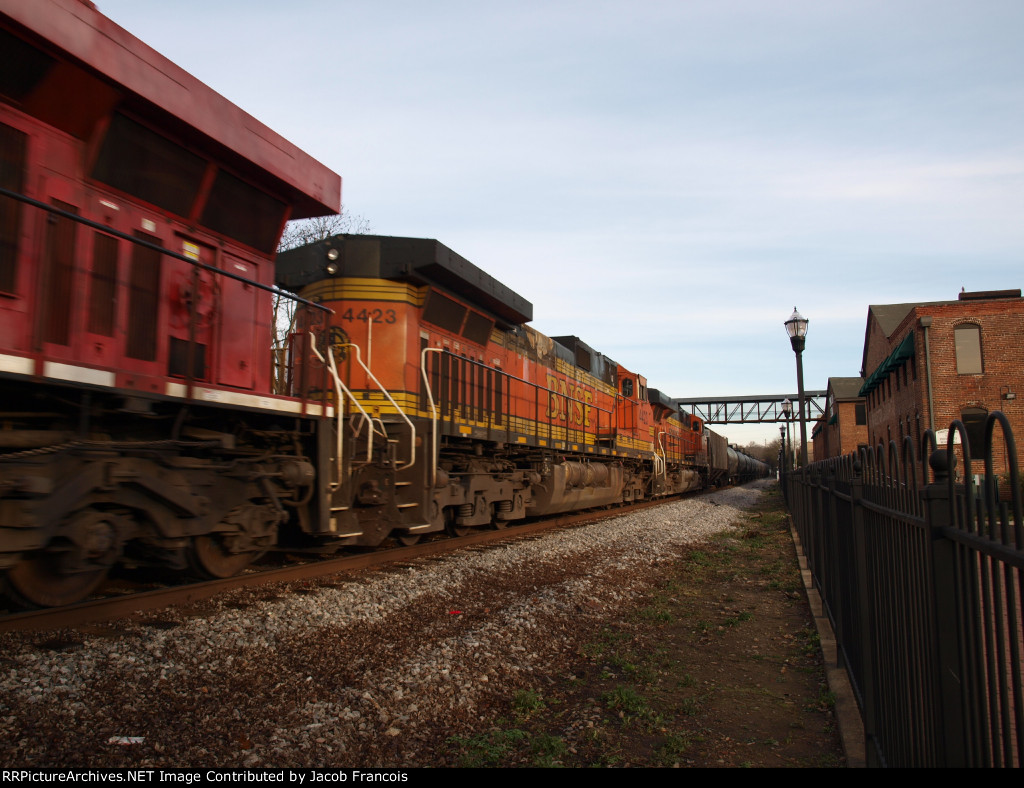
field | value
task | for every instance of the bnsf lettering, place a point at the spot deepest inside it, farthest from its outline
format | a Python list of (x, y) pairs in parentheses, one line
[(559, 398)]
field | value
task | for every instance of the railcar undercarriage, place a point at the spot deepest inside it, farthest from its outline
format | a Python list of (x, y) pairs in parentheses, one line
[(107, 479)]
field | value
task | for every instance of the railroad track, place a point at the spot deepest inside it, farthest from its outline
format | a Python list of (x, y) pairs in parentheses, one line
[(117, 605)]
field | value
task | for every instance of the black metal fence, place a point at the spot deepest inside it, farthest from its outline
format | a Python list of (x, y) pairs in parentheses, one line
[(920, 571)]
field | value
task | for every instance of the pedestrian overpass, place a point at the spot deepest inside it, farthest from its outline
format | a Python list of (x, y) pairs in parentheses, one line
[(753, 409)]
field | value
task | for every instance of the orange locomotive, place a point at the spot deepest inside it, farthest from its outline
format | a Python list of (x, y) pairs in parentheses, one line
[(453, 412)]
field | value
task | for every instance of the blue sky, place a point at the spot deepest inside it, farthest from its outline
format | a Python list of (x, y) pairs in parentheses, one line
[(664, 180)]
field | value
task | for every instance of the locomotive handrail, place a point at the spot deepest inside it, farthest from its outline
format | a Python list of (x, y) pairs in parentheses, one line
[(397, 407), (433, 412), (537, 387), (662, 459), (157, 248), (339, 412)]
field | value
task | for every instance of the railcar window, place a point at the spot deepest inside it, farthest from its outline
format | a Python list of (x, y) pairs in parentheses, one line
[(12, 168), (627, 387), (243, 212), (141, 162), (477, 328), (24, 66), (443, 312)]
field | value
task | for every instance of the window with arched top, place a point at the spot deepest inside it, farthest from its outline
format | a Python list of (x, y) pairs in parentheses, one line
[(968, 349)]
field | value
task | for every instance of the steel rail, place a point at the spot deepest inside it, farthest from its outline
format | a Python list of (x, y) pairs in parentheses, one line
[(99, 610)]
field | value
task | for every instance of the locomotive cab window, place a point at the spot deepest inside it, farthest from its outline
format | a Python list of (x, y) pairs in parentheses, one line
[(145, 164), (243, 212), (444, 312), (627, 387)]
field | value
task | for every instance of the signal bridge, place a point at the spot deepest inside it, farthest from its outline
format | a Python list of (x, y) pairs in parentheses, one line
[(755, 409)]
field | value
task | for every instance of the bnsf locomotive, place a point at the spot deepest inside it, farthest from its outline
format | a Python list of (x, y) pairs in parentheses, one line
[(144, 418)]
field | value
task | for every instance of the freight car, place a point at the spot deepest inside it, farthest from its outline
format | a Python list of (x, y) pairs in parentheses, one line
[(730, 464), (461, 415), (142, 417)]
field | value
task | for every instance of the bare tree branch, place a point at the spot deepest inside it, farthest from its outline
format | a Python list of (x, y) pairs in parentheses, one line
[(299, 233), (307, 231)]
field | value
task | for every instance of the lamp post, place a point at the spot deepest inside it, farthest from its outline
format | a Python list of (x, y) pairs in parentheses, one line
[(787, 411), (796, 327), (782, 452)]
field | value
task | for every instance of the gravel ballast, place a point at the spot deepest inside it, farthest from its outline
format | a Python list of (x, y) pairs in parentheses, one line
[(372, 671)]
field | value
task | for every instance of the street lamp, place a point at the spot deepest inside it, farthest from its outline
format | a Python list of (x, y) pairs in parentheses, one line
[(787, 411), (782, 451), (796, 327)]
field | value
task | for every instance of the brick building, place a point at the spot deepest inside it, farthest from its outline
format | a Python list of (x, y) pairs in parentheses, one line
[(925, 365), (842, 429)]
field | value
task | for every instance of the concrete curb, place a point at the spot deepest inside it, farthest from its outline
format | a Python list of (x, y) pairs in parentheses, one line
[(851, 728)]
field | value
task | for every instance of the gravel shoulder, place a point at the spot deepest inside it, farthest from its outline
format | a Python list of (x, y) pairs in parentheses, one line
[(677, 636)]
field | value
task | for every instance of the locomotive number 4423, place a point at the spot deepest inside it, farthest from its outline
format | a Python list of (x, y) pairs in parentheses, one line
[(370, 315)]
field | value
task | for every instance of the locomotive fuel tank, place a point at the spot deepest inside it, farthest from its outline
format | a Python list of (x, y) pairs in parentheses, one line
[(576, 485)]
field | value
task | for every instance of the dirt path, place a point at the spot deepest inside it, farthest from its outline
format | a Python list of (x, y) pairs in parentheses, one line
[(720, 666)]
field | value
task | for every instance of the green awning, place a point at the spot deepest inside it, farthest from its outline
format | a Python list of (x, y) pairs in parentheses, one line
[(903, 351)]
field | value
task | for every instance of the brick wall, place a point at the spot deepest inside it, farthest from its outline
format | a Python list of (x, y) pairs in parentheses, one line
[(900, 404), (850, 434), (843, 437)]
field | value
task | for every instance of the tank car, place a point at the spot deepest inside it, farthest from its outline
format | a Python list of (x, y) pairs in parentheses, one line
[(139, 215)]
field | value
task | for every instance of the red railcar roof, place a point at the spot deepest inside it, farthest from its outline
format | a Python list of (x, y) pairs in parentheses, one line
[(81, 32)]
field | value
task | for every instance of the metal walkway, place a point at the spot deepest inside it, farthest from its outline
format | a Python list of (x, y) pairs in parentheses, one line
[(754, 409)]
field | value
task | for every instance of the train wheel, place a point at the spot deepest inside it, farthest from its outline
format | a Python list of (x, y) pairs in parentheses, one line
[(39, 581), (70, 567), (408, 540), (502, 509), (211, 559), (450, 526)]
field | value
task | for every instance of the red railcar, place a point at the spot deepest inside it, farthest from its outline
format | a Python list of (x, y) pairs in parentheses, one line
[(139, 217)]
